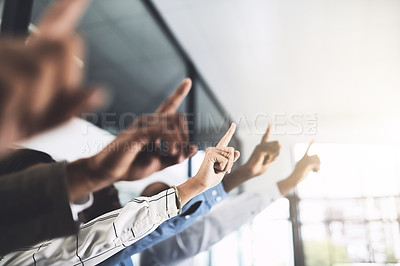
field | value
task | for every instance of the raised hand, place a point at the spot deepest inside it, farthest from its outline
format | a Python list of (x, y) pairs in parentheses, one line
[(309, 163), (61, 19), (150, 144), (40, 83), (300, 172), (117, 161), (263, 155), (217, 162)]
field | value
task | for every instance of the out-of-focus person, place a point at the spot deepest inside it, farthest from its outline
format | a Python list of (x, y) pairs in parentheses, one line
[(112, 232)]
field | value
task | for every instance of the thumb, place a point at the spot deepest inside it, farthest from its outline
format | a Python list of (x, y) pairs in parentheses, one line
[(236, 156)]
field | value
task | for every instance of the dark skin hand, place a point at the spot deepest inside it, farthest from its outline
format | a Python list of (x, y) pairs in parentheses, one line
[(41, 82), (136, 152), (158, 154)]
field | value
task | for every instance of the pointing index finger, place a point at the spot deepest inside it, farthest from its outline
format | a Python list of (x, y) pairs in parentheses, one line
[(266, 135), (227, 137), (172, 103), (309, 146), (61, 18)]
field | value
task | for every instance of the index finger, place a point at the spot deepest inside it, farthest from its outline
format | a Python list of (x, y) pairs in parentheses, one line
[(172, 103), (309, 146), (61, 18), (228, 136), (266, 135)]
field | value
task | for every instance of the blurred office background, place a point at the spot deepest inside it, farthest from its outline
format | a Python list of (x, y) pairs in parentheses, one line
[(323, 69)]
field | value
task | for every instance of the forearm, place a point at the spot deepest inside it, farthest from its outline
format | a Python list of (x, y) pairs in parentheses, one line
[(105, 168), (236, 178), (210, 229), (104, 236), (81, 181), (287, 184), (190, 189)]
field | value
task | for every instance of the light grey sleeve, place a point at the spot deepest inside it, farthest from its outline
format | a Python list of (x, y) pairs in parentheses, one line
[(102, 237), (224, 219)]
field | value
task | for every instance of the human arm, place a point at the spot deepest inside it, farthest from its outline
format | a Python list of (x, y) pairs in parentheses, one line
[(258, 163), (221, 221), (41, 83), (102, 236), (226, 218), (263, 155), (112, 232), (194, 209), (150, 144), (300, 172)]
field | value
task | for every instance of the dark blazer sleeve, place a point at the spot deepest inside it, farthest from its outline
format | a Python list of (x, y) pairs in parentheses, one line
[(34, 206)]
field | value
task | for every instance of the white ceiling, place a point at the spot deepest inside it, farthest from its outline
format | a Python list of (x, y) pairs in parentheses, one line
[(339, 59)]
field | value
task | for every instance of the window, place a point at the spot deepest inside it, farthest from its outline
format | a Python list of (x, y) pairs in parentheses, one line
[(350, 212), (267, 239)]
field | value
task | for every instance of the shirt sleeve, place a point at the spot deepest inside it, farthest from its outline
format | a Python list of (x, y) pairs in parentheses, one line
[(82, 204), (103, 236), (34, 207), (195, 208), (224, 219)]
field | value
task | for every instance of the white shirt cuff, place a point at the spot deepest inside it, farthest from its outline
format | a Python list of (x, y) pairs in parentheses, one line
[(80, 205)]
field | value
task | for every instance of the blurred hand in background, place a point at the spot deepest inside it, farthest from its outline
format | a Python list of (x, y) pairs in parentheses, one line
[(300, 172), (41, 81)]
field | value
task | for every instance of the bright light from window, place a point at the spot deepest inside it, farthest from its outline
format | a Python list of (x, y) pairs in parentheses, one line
[(350, 210)]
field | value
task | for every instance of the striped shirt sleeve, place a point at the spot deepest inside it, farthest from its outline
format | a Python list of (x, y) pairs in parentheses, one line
[(103, 236)]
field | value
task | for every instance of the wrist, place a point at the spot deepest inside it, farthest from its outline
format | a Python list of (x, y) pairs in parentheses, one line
[(190, 189), (287, 184), (114, 161), (298, 173), (245, 171), (283, 187), (80, 179), (240, 175)]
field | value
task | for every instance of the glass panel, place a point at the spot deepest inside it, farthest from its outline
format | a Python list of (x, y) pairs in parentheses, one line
[(350, 214)]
